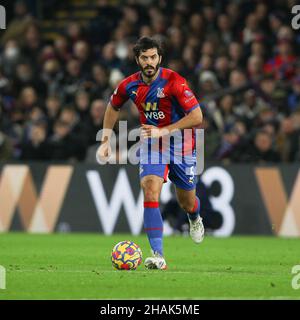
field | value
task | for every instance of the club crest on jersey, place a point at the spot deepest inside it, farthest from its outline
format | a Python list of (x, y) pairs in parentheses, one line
[(187, 93), (160, 93)]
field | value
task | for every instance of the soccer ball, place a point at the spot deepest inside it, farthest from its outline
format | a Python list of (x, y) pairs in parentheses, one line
[(126, 255)]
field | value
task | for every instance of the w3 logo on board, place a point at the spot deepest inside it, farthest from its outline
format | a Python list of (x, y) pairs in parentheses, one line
[(296, 18), (2, 17)]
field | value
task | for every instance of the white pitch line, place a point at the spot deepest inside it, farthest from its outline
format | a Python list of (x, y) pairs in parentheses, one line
[(102, 271), (262, 274)]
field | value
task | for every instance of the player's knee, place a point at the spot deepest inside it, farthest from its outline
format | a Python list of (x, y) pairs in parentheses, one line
[(151, 192), (151, 195)]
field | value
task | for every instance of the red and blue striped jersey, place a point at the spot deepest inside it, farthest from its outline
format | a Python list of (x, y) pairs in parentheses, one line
[(164, 101)]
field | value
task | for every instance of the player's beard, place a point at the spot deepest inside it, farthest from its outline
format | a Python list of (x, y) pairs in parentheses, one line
[(149, 72)]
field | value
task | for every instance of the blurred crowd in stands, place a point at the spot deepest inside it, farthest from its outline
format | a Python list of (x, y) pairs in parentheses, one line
[(241, 58)]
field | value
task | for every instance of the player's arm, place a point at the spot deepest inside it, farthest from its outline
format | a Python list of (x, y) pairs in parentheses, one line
[(192, 119), (111, 116)]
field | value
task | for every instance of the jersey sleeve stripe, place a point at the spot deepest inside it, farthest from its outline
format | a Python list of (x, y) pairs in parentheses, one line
[(192, 108)]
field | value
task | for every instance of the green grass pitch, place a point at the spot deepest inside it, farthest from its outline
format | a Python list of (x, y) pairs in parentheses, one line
[(77, 266)]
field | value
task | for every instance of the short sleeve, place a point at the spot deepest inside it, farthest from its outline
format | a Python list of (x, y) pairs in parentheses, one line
[(184, 95), (119, 97)]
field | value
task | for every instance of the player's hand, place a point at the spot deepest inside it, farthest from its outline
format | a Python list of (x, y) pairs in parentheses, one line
[(149, 131), (103, 153)]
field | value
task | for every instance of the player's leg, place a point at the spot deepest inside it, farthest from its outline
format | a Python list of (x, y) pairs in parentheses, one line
[(190, 203), (153, 223), (182, 175)]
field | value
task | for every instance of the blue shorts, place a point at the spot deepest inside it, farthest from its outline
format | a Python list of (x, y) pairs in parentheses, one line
[(181, 174)]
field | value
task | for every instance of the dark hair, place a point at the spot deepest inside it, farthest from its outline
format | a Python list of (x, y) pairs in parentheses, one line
[(146, 43)]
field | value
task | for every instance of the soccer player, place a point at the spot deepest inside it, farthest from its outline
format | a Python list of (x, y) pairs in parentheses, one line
[(166, 106)]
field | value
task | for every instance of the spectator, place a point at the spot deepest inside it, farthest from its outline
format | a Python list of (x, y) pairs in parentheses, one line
[(262, 149), (11, 57), (109, 57), (236, 55), (255, 68), (35, 147), (4, 83), (82, 104), (224, 26), (63, 145), (196, 25), (282, 66), (94, 121), (72, 81), (74, 32), (251, 28), (53, 107), (61, 46), (208, 82), (6, 148), (52, 76), (232, 141), (32, 43), (28, 99), (237, 79), (81, 52), (288, 138), (224, 116), (258, 49), (294, 97), (99, 82), (250, 107), (25, 77), (222, 70)]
